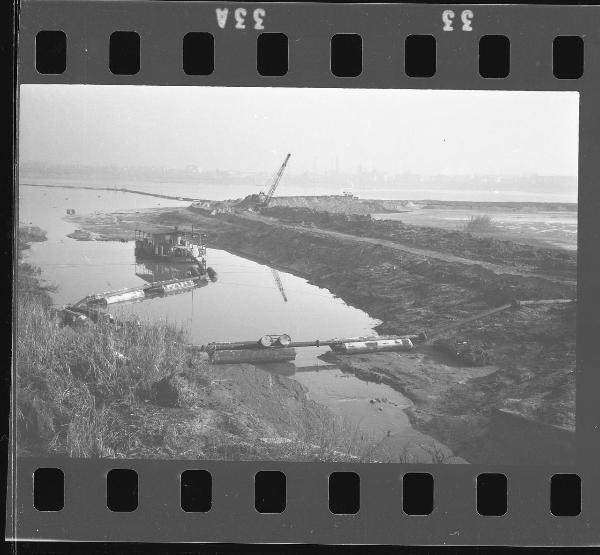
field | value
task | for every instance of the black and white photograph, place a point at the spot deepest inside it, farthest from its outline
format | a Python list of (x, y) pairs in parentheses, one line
[(296, 274)]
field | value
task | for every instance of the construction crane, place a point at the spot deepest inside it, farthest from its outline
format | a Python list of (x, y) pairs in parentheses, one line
[(256, 201), (265, 198), (278, 283)]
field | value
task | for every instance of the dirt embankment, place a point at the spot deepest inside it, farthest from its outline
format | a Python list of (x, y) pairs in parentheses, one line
[(556, 262), (341, 204), (347, 204), (531, 350)]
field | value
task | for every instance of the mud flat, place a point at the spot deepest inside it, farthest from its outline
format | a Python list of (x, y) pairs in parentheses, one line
[(80, 235), (530, 351), (461, 406), (433, 383)]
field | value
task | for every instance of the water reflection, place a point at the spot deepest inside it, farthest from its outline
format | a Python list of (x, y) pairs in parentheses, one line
[(161, 271), (280, 368)]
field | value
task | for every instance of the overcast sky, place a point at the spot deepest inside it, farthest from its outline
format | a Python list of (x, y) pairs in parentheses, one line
[(425, 132)]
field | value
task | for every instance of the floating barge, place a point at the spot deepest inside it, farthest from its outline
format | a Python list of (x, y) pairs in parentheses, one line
[(171, 246)]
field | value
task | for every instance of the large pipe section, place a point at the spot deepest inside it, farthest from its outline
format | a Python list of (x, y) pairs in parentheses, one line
[(333, 342), (266, 341), (124, 297), (357, 347)]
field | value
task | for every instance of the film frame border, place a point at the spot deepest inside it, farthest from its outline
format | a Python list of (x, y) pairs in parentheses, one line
[(380, 519)]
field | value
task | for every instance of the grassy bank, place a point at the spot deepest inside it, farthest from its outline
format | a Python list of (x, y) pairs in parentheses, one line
[(71, 382)]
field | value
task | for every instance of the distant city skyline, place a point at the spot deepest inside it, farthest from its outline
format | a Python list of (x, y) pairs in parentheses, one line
[(193, 169), (504, 133)]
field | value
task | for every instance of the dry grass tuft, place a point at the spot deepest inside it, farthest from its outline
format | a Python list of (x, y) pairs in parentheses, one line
[(69, 380)]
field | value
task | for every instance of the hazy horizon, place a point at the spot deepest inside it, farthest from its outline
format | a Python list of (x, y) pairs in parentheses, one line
[(325, 172), (451, 133)]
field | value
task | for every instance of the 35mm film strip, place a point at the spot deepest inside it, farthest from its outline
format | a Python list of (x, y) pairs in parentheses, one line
[(312, 273)]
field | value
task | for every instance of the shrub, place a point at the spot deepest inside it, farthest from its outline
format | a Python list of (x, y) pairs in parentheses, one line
[(478, 224)]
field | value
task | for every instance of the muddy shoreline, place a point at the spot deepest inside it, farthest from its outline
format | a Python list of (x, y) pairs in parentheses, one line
[(531, 350)]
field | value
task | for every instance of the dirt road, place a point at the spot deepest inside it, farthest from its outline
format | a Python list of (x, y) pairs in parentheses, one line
[(425, 254)]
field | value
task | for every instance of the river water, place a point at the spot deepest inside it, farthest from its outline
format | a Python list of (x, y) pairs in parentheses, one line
[(243, 304)]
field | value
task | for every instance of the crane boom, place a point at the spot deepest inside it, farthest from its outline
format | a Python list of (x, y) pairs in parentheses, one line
[(276, 181), (279, 284)]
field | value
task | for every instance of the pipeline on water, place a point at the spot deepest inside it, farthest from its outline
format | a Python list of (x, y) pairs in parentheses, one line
[(277, 348), (270, 347)]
